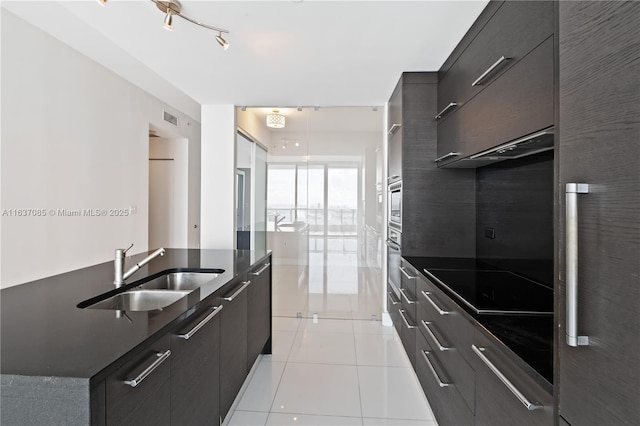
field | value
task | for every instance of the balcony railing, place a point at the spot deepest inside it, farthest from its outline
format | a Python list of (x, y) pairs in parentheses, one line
[(339, 221)]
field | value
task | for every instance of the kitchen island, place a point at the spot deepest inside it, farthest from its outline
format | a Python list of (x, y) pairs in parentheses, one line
[(56, 357)]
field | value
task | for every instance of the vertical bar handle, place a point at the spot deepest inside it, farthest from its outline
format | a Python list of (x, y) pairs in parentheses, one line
[(571, 192)]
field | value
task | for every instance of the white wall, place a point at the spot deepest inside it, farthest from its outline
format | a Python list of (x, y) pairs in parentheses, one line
[(74, 137), (168, 192), (218, 171), (250, 122)]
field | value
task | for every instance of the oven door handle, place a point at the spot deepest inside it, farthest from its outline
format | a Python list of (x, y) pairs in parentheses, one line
[(392, 245)]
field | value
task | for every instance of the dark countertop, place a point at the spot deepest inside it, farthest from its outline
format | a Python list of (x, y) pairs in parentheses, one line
[(528, 337), (44, 333)]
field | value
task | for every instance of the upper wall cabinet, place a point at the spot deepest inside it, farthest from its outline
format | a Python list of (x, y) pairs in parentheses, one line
[(394, 132), (498, 84)]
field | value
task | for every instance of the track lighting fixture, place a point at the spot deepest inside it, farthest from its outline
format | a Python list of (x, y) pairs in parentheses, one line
[(168, 21), (221, 41), (173, 7)]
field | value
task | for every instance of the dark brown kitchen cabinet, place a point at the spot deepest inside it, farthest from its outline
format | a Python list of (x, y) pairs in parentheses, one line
[(408, 309), (446, 402), (505, 395), (259, 312), (394, 134), (195, 369), (599, 145), (139, 392), (432, 200), (519, 103), (233, 341), (394, 306), (513, 31), (498, 85), (450, 335)]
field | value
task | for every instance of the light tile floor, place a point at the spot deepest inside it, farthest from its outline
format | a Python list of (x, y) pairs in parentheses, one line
[(332, 372)]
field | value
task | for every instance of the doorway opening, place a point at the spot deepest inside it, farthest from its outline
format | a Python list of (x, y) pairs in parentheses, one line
[(325, 211), (168, 191)]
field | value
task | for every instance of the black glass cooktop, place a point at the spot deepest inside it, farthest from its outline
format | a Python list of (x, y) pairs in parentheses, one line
[(496, 292)]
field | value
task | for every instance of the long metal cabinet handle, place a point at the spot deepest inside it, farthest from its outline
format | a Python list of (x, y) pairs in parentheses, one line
[(445, 110), (233, 296), (572, 191), (394, 128), (490, 70), (433, 370), (404, 272), (530, 405), (393, 302), (440, 346), (264, 268), (444, 157), (405, 319), (189, 334), (435, 306), (162, 356), (409, 301)]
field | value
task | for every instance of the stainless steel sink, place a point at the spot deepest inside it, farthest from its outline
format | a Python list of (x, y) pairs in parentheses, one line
[(157, 293), (141, 300), (179, 281)]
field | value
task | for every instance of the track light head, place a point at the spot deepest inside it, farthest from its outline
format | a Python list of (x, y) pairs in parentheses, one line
[(168, 21), (173, 7), (222, 42)]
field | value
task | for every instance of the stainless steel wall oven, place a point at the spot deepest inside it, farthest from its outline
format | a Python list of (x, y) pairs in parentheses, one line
[(394, 242), (395, 205)]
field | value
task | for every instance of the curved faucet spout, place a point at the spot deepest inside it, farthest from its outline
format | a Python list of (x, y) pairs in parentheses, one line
[(120, 277)]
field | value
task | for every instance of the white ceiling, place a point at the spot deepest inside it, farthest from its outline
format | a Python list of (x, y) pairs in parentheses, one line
[(286, 53)]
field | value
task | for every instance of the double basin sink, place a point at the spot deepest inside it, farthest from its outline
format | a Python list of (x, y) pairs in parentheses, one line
[(154, 294)]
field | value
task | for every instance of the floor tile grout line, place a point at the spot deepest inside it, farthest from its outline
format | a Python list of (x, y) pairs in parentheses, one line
[(358, 375)]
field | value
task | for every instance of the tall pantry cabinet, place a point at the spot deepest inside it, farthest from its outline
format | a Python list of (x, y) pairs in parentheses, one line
[(598, 365)]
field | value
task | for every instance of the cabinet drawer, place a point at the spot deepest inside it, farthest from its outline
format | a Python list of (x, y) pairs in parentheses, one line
[(408, 279), (146, 397), (439, 309), (513, 31), (408, 334), (233, 342), (393, 306), (517, 104), (497, 402), (446, 402), (195, 373), (458, 370), (259, 311)]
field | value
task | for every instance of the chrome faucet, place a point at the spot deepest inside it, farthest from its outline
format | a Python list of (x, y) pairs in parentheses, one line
[(118, 265)]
